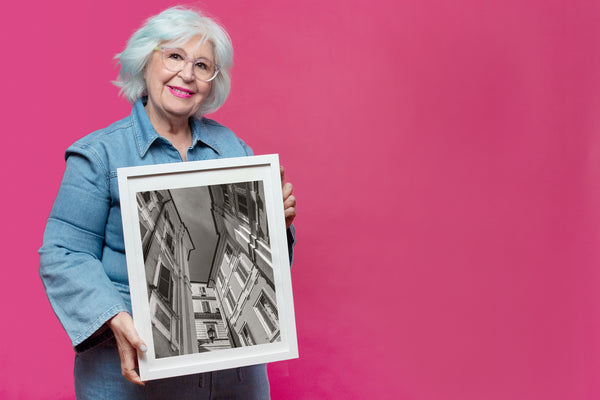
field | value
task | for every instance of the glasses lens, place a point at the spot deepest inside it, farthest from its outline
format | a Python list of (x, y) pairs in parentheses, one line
[(204, 69), (175, 60)]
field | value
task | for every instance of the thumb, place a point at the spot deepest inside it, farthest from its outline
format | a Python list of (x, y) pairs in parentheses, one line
[(122, 325), (135, 340)]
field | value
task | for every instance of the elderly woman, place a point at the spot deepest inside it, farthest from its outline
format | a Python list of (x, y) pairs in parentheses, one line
[(175, 69)]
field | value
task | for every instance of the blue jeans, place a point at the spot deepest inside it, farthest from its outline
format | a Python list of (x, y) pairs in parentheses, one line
[(98, 376)]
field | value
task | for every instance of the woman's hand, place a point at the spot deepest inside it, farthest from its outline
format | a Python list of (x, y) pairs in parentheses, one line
[(289, 201), (127, 343)]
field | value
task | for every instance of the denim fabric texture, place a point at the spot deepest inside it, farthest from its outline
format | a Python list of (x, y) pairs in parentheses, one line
[(82, 259), (98, 377)]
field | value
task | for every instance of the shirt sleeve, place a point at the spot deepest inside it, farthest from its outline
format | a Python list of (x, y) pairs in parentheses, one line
[(80, 292)]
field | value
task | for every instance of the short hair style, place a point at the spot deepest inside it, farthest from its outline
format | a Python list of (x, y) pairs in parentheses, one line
[(176, 25)]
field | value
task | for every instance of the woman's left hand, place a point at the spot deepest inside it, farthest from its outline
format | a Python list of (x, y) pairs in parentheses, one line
[(289, 200), (128, 342)]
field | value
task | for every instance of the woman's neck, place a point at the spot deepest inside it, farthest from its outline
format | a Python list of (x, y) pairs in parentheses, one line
[(176, 130)]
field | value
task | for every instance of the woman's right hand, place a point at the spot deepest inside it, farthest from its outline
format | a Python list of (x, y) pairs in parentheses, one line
[(128, 341)]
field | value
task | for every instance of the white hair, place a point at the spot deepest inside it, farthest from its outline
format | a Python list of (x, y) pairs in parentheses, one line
[(179, 25)]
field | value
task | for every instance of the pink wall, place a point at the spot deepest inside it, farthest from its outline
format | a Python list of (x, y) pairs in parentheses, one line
[(446, 158)]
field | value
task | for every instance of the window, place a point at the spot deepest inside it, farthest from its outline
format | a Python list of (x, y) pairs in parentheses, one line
[(242, 272), (241, 193), (163, 318), (168, 220), (169, 243), (220, 278), (143, 200), (267, 312), (247, 336), (228, 253), (205, 307), (165, 285), (230, 300), (243, 205), (202, 291), (226, 198)]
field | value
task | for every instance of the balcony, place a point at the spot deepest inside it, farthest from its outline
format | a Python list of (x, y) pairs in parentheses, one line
[(204, 315)]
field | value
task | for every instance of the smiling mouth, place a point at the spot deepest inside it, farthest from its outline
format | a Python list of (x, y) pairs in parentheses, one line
[(182, 91)]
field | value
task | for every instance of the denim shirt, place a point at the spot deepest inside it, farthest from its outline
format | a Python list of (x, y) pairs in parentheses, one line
[(82, 259)]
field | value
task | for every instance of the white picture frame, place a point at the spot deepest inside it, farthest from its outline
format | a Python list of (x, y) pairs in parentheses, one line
[(202, 312)]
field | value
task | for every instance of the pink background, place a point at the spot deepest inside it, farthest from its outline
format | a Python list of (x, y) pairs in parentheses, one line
[(446, 159)]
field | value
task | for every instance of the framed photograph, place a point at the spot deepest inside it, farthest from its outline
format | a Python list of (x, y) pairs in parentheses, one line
[(208, 264)]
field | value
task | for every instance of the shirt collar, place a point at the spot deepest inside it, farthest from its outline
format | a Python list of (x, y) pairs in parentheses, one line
[(145, 134), (200, 133)]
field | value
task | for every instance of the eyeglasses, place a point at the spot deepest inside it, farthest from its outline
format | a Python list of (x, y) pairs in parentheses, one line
[(175, 60)]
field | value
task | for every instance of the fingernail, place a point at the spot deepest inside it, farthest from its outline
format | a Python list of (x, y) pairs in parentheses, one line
[(143, 348)]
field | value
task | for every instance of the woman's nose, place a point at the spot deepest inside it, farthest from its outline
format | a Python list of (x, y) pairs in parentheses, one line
[(187, 73)]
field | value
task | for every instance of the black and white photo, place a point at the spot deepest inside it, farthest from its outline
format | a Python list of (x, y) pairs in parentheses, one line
[(207, 258)]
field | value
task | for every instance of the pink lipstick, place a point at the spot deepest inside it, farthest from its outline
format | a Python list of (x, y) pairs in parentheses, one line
[(181, 92)]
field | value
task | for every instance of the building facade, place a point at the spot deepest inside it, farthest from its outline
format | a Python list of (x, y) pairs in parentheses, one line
[(166, 245), (242, 273), (211, 327)]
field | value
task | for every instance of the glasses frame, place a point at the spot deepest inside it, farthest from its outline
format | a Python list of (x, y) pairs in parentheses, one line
[(185, 62)]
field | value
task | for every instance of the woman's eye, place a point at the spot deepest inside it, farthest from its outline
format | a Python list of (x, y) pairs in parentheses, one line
[(201, 65), (175, 56)]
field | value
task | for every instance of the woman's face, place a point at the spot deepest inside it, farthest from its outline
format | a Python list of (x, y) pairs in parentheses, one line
[(176, 95)]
